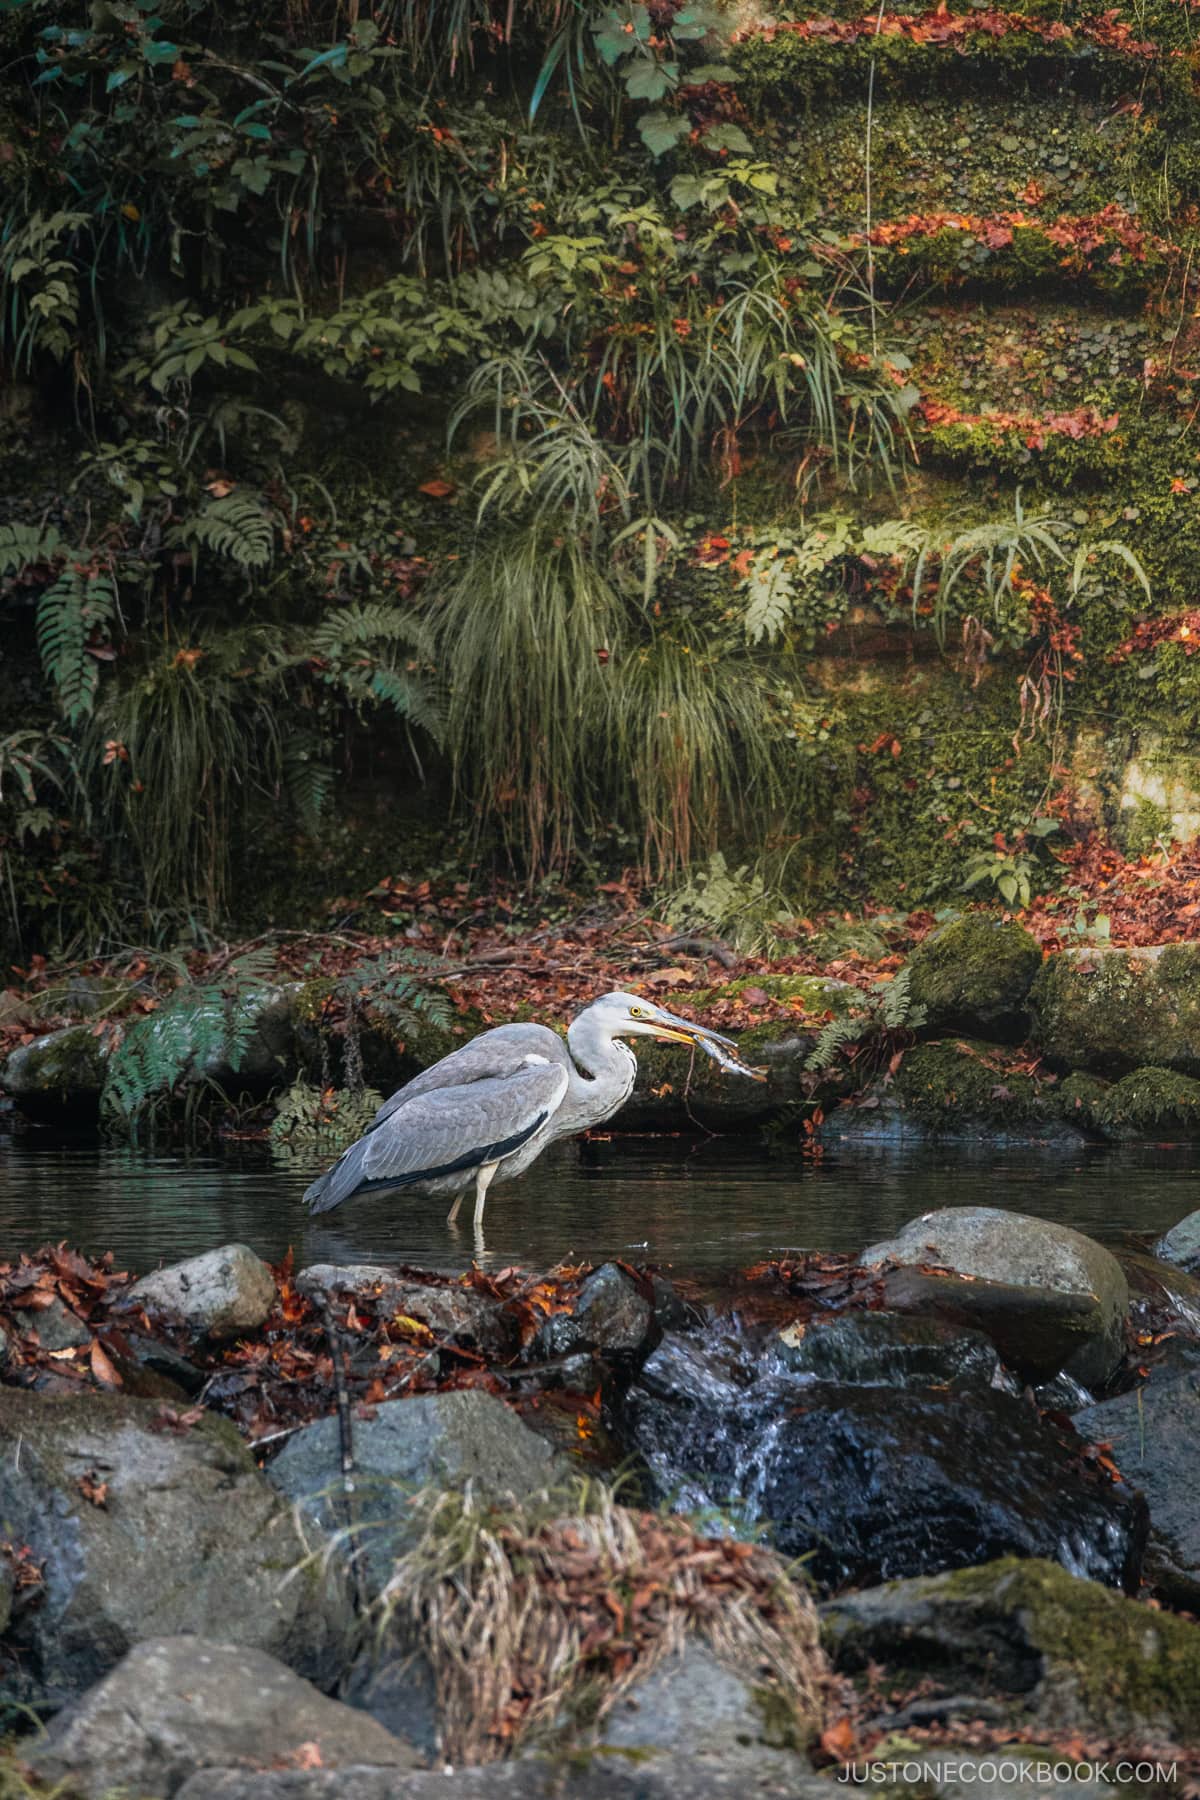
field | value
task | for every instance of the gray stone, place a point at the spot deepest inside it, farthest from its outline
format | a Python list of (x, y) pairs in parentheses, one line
[(450, 1309), (189, 1538), (63, 1068), (1019, 1641), (1181, 1245), (1154, 1432), (688, 1701), (610, 1315), (1050, 1298), (443, 1439), (222, 1294), (57, 1327), (177, 1704), (754, 1774)]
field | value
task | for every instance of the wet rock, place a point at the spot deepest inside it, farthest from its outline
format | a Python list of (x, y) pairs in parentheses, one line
[(63, 1070), (459, 1313), (611, 1316), (447, 1439), (1114, 1011), (1058, 1652), (890, 1350), (149, 1529), (743, 1774), (875, 1483), (1181, 1245), (1154, 1432), (974, 975), (57, 1327), (221, 1295), (174, 1705), (1049, 1298)]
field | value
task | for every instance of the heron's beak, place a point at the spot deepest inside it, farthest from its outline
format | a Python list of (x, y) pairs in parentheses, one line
[(682, 1031)]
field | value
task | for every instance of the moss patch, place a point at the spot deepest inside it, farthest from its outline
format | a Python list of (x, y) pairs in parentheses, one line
[(1061, 1649), (1115, 1011), (951, 1085), (1149, 1103), (975, 974)]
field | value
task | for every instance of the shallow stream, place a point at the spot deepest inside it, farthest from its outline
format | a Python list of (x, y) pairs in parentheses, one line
[(698, 1207)]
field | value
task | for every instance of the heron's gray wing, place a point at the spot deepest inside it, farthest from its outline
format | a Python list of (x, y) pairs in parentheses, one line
[(500, 1051), (450, 1130)]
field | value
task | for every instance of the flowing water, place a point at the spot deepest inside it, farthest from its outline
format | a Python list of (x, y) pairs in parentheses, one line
[(697, 1207)]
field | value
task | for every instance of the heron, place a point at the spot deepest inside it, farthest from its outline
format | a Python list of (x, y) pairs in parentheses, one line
[(488, 1110)]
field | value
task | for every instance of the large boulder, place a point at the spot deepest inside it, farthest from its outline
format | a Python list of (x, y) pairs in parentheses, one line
[(444, 1439), (150, 1523), (1154, 1437), (1050, 1298), (1114, 1011), (871, 1482), (219, 1295), (177, 1704), (974, 976), (1055, 1651)]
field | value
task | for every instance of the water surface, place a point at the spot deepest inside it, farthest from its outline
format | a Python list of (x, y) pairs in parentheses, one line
[(699, 1207)]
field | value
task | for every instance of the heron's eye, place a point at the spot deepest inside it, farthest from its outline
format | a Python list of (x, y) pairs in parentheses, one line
[(637, 1012)]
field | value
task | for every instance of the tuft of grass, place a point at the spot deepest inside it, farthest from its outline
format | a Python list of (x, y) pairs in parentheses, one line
[(539, 1616)]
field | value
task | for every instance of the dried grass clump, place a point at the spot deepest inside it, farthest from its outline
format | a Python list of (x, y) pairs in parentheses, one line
[(538, 1616)]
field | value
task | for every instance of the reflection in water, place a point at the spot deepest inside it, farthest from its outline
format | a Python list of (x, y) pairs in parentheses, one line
[(698, 1206)]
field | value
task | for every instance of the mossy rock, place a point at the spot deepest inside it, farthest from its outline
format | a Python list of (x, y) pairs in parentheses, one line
[(62, 1069), (1079, 1099), (956, 1085), (1069, 1652), (975, 975), (1116, 1011), (1151, 1103)]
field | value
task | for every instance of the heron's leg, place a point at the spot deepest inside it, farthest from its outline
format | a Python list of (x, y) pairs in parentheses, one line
[(483, 1181), (453, 1213)]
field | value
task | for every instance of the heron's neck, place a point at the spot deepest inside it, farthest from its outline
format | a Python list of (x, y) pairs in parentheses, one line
[(609, 1072)]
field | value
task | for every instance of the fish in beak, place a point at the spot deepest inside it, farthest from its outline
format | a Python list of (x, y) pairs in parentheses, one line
[(723, 1050)]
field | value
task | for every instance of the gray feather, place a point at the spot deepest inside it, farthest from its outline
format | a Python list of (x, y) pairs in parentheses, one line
[(436, 1135)]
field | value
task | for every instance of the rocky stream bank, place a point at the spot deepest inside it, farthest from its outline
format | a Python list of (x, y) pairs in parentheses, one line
[(368, 1531), (973, 1031)]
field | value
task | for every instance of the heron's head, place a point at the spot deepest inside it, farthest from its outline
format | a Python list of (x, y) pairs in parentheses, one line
[(628, 1015)]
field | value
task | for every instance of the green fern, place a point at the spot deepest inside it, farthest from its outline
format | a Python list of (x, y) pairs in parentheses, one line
[(405, 998), (200, 1027), (77, 605), (237, 527), (885, 1011)]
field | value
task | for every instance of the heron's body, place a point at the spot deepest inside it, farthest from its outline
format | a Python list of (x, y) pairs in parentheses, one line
[(487, 1111)]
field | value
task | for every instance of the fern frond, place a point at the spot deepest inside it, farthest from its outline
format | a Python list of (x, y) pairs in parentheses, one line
[(237, 526)]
